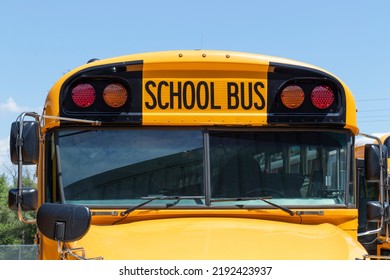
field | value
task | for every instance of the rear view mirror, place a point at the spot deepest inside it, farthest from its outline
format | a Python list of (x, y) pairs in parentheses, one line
[(28, 199), (63, 222), (373, 160), (374, 211), (29, 142)]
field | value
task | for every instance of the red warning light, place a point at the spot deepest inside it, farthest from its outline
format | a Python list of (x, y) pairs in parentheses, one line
[(322, 97), (83, 95)]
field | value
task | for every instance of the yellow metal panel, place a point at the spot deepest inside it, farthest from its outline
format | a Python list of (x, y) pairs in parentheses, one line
[(219, 238), (220, 234)]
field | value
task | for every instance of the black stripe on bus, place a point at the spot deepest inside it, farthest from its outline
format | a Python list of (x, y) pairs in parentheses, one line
[(280, 75)]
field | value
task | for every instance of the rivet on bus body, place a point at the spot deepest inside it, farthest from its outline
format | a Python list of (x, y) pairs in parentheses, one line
[(228, 55), (180, 55), (204, 55)]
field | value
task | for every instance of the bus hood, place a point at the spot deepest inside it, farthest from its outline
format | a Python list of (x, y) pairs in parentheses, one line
[(219, 239)]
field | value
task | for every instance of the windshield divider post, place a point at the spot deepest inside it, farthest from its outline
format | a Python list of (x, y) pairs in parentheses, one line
[(206, 168)]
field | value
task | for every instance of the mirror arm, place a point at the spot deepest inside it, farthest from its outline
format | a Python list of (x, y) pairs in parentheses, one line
[(370, 231)]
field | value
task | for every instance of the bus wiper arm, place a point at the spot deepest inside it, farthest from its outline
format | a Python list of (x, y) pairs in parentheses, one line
[(281, 207), (149, 199), (128, 210)]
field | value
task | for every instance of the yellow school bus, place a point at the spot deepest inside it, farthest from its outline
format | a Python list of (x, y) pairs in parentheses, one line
[(377, 242), (193, 155)]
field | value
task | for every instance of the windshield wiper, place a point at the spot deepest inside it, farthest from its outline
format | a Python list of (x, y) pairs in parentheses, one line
[(149, 199), (281, 207), (128, 210)]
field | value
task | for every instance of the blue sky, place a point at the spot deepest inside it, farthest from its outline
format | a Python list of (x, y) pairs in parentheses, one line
[(42, 40)]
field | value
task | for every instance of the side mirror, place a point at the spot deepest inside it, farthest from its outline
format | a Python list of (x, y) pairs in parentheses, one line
[(29, 141), (372, 161), (374, 211), (63, 222), (28, 199)]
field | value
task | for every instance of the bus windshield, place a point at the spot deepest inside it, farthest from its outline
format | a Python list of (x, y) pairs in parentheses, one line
[(121, 167)]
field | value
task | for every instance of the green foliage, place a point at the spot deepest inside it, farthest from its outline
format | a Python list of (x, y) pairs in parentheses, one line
[(12, 231)]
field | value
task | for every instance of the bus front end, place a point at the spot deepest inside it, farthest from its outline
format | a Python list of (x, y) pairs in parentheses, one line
[(197, 155)]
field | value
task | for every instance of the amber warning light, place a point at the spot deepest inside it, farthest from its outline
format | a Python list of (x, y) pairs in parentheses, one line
[(115, 95), (292, 96)]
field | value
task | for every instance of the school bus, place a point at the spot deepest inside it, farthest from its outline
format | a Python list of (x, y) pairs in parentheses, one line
[(194, 154), (377, 243)]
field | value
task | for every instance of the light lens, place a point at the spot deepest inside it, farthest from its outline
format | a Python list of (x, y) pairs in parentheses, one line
[(322, 97), (83, 95), (115, 95), (292, 96)]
